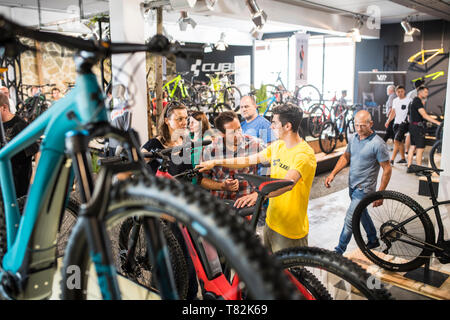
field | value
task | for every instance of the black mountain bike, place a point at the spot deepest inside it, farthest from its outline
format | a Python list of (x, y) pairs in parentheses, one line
[(404, 228), (343, 127)]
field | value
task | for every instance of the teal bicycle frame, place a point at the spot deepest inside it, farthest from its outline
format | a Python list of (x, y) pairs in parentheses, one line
[(31, 237)]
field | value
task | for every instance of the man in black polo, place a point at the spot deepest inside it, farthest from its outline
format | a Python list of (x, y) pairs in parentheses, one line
[(417, 118)]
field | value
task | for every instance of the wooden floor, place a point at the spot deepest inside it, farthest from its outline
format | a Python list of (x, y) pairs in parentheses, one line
[(397, 278)]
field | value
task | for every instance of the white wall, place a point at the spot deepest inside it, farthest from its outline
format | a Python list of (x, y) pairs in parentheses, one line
[(127, 25)]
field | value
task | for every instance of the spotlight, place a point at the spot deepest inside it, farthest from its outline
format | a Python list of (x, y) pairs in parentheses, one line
[(221, 45), (259, 17), (257, 33), (185, 20), (355, 32), (207, 48), (410, 32)]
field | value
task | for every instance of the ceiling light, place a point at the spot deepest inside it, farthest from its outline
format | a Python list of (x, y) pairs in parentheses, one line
[(221, 45), (257, 33), (259, 17), (410, 32), (185, 20), (207, 48), (355, 33)]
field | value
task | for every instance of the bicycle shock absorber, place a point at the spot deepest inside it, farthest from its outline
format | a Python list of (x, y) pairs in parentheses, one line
[(77, 148)]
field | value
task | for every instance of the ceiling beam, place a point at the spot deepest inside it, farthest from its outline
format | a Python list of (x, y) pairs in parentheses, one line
[(435, 8)]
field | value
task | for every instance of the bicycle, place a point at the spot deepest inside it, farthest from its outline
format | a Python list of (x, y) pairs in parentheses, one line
[(406, 233), (343, 127), (29, 264), (177, 89)]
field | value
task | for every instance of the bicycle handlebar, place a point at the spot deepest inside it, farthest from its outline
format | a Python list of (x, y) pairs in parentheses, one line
[(158, 44)]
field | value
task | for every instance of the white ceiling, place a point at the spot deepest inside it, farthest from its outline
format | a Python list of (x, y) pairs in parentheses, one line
[(335, 18)]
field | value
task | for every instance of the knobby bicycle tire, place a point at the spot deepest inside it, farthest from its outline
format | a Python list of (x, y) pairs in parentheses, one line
[(416, 210), (311, 283), (197, 209), (435, 150), (141, 270), (335, 264)]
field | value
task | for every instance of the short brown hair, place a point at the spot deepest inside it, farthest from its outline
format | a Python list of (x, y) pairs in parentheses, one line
[(223, 118)]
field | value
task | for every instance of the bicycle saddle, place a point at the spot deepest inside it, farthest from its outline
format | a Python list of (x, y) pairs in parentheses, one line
[(425, 170), (263, 184)]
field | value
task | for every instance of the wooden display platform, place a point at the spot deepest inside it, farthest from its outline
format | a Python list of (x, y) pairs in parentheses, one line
[(326, 162), (397, 278)]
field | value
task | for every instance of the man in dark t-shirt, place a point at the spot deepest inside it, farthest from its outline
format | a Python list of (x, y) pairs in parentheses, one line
[(21, 162), (417, 118)]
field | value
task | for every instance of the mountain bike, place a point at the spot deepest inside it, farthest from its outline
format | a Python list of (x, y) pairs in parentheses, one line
[(177, 89), (29, 264), (404, 228), (343, 127)]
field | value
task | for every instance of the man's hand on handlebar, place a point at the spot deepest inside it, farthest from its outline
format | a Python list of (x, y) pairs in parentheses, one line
[(246, 201)]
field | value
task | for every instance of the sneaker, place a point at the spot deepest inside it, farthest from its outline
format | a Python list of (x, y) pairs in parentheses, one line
[(402, 161), (409, 170), (373, 245), (392, 162)]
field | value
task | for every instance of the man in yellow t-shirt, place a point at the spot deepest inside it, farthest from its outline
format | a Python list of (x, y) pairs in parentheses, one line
[(290, 158)]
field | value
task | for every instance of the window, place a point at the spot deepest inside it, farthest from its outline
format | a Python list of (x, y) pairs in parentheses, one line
[(271, 57)]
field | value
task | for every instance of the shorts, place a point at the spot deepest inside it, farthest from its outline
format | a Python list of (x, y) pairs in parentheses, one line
[(400, 131), (417, 134), (276, 242)]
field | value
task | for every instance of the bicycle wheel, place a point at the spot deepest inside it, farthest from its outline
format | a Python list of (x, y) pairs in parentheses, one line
[(138, 268), (260, 276), (349, 130), (343, 278), (205, 95), (307, 96), (232, 96), (328, 137), (317, 115), (435, 155), (394, 253)]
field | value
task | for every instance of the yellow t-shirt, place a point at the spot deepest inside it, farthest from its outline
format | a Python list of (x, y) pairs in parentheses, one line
[(286, 213)]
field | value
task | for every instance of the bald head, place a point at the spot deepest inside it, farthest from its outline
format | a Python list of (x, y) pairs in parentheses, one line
[(363, 123), (363, 116)]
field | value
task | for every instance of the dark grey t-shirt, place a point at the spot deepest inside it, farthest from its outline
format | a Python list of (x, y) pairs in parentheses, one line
[(365, 158)]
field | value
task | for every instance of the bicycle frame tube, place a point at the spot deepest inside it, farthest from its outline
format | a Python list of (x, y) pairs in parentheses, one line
[(171, 92), (85, 100), (270, 101)]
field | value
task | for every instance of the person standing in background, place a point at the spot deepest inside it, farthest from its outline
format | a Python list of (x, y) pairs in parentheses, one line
[(390, 128)]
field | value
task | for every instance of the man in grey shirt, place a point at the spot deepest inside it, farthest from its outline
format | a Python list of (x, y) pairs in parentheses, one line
[(366, 152), (390, 90)]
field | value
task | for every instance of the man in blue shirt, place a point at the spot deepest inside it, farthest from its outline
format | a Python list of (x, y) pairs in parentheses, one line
[(366, 152), (254, 124)]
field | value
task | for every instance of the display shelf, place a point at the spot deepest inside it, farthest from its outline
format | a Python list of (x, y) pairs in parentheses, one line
[(398, 279)]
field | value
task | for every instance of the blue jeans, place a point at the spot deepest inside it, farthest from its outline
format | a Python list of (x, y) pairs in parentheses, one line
[(346, 235)]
